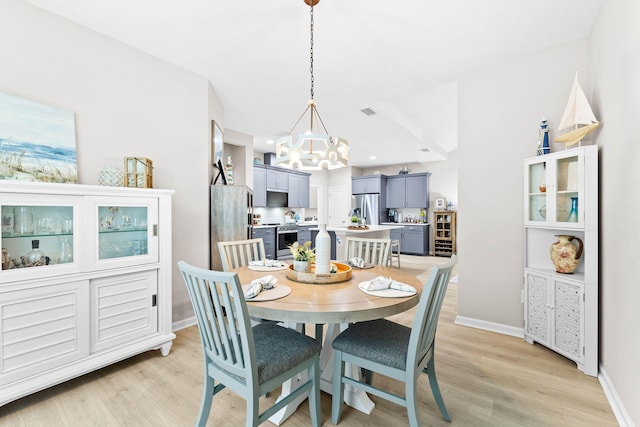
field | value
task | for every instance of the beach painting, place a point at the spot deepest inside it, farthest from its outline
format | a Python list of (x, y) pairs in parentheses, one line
[(37, 141)]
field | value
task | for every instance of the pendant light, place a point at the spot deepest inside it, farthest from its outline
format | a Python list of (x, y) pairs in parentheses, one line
[(314, 149)]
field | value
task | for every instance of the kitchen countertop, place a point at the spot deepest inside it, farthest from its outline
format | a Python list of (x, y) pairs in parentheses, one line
[(372, 228), (406, 223)]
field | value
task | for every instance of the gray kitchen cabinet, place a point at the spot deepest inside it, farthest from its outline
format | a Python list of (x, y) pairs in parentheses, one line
[(268, 235), (277, 180), (304, 233), (395, 192), (366, 184), (259, 186), (414, 239), (408, 191), (298, 190)]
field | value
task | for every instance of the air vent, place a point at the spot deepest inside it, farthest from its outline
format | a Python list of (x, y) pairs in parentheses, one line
[(368, 111), (424, 150)]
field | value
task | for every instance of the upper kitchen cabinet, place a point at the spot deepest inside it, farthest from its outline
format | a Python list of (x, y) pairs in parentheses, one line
[(298, 190), (277, 180), (408, 191), (259, 186), (288, 188), (367, 184)]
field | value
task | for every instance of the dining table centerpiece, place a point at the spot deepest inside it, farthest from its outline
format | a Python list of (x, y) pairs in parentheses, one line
[(303, 256)]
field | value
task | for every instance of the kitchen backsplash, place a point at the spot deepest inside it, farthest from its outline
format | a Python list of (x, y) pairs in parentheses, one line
[(281, 215)]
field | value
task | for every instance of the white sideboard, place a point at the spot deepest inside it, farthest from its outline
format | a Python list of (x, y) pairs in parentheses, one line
[(96, 290)]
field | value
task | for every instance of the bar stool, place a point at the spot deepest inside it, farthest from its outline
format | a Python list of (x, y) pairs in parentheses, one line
[(394, 254)]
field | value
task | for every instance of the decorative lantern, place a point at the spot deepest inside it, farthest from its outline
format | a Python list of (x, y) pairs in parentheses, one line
[(138, 172)]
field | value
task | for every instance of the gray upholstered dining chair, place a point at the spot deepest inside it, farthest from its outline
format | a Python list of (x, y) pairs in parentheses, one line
[(374, 251), (250, 361), (395, 351), (238, 253)]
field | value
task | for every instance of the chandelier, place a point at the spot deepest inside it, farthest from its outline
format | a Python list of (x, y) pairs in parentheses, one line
[(313, 149)]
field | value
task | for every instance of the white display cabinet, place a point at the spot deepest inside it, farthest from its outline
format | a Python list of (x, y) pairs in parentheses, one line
[(561, 310), (95, 291)]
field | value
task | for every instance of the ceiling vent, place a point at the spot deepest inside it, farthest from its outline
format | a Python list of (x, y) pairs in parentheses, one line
[(368, 111)]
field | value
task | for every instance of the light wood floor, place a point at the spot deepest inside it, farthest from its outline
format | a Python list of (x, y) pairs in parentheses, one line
[(486, 379)]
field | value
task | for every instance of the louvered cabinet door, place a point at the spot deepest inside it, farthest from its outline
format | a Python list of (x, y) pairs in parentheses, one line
[(124, 308), (42, 327)]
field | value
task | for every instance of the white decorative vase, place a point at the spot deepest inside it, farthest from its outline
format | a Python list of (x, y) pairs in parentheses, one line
[(302, 266), (323, 250)]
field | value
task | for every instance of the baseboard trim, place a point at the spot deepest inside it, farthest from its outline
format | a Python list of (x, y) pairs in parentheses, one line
[(184, 323), (618, 408), (490, 326)]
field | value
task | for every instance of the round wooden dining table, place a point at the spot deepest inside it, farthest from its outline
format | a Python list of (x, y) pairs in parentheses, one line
[(335, 304), (331, 303)]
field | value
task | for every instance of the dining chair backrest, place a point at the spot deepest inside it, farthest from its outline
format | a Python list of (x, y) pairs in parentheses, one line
[(249, 361), (238, 253), (423, 331), (374, 251), (223, 320), (394, 350)]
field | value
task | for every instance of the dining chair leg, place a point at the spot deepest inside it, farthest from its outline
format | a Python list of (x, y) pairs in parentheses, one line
[(338, 387), (435, 389), (207, 398), (314, 393), (412, 404), (253, 410)]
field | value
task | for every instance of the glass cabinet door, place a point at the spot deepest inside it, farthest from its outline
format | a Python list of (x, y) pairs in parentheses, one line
[(569, 176), (127, 231), (36, 236), (536, 209), (554, 188)]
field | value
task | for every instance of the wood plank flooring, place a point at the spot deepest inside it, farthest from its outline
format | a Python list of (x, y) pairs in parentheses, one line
[(487, 379)]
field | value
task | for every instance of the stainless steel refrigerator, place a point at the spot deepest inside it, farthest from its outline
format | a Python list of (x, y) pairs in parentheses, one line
[(231, 217), (367, 207)]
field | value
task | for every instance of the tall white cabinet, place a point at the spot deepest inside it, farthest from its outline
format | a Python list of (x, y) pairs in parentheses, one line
[(96, 290), (561, 310)]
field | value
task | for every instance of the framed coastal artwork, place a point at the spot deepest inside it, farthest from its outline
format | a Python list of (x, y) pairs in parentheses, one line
[(37, 141), (217, 144)]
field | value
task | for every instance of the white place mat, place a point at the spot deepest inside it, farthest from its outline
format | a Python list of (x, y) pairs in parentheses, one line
[(278, 291), (265, 268), (387, 293)]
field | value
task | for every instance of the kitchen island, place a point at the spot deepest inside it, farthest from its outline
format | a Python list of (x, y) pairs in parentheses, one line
[(373, 232)]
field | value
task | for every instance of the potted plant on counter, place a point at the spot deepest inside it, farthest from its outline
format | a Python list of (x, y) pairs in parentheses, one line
[(303, 256)]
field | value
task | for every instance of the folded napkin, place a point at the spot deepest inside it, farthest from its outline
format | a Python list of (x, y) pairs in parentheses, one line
[(267, 263), (260, 284), (380, 283), (356, 262)]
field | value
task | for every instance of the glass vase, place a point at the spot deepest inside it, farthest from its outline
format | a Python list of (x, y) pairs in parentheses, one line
[(573, 213)]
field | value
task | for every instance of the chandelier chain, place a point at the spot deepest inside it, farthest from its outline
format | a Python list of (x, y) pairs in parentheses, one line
[(311, 51)]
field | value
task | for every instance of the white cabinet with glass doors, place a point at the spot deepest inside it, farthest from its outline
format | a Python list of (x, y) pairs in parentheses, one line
[(561, 199), (85, 280)]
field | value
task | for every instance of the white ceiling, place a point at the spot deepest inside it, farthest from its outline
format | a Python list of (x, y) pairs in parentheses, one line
[(399, 58)]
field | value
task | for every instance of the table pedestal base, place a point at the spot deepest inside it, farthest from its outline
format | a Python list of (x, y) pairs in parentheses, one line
[(353, 397)]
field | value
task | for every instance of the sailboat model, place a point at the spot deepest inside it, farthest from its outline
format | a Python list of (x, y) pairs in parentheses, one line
[(578, 119)]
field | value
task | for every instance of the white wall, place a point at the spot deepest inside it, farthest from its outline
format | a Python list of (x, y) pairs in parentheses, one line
[(615, 83), (126, 103), (499, 110)]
